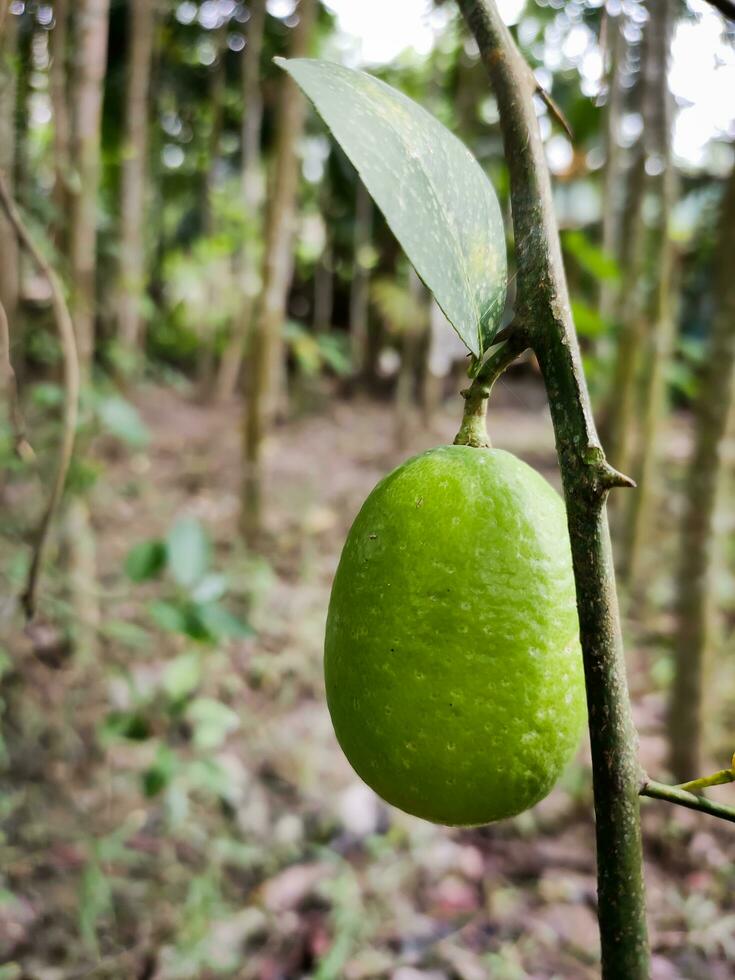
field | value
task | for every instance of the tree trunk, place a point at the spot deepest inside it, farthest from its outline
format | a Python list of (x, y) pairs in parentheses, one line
[(59, 94), (266, 363), (252, 194), (360, 286), (621, 412), (658, 119), (91, 45), (9, 256), (615, 44), (412, 347), (619, 426), (324, 291), (133, 202), (217, 88), (695, 585)]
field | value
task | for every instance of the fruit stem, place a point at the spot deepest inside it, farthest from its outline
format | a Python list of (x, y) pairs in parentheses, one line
[(473, 430)]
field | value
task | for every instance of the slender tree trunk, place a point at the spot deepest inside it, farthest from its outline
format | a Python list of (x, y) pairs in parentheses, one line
[(266, 363), (9, 256), (658, 117), (706, 473), (615, 44), (218, 85), (92, 18), (133, 202), (59, 94), (619, 426), (360, 286), (544, 321), (324, 273), (252, 194), (412, 344), (621, 412)]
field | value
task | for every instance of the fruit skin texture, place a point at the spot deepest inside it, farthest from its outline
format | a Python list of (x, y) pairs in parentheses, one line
[(452, 660)]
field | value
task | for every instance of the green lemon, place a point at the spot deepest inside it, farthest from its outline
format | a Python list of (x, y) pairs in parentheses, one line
[(452, 659)]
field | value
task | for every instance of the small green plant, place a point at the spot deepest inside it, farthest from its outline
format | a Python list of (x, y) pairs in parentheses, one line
[(173, 713)]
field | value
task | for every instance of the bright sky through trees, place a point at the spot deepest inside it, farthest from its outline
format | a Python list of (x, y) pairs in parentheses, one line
[(702, 73)]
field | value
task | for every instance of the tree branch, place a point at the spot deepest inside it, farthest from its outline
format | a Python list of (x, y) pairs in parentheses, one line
[(67, 340), (675, 794), (543, 308)]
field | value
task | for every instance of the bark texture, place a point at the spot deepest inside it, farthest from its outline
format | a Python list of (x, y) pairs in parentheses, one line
[(266, 361), (133, 202), (695, 578), (92, 18), (544, 317)]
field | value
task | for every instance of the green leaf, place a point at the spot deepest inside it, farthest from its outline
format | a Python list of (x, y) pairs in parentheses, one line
[(588, 321), (434, 194), (121, 419), (145, 561), (187, 550), (590, 257), (220, 623), (212, 722), (130, 725), (212, 587), (182, 675), (169, 616), (161, 772)]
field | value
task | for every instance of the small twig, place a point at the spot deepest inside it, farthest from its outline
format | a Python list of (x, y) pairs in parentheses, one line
[(556, 110), (718, 778), (21, 446), (675, 794), (67, 339)]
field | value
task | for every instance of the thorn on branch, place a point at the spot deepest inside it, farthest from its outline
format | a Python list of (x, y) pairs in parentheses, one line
[(610, 477)]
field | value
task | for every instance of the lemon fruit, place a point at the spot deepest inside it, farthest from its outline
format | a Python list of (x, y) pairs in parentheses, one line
[(452, 660)]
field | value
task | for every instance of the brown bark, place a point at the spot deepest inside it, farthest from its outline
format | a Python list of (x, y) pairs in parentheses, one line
[(92, 17), (251, 197), (59, 94), (134, 174), (695, 613), (9, 256), (266, 363)]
